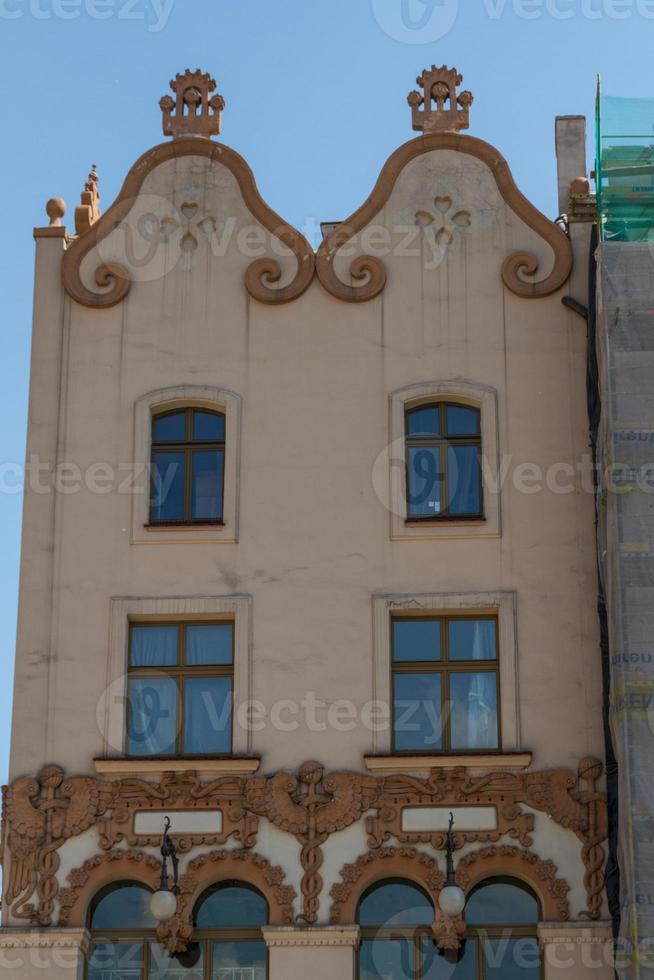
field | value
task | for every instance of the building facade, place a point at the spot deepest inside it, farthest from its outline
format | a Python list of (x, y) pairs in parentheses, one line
[(289, 505)]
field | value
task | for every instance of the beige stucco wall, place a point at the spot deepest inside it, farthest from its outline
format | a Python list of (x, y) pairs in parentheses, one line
[(314, 532)]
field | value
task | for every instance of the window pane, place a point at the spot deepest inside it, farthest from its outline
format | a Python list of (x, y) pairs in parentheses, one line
[(187, 966), (417, 712), (395, 904), (207, 492), (423, 421), (169, 428), (516, 959), (386, 959), (208, 427), (462, 421), (425, 479), (232, 905), (416, 639), (207, 715), (463, 480), (126, 906), (474, 711), (501, 903), (116, 961), (240, 961), (168, 487), (437, 968), (153, 646), (472, 639), (210, 644), (152, 716)]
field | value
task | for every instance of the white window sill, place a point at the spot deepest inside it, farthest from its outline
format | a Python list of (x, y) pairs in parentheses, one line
[(507, 761)]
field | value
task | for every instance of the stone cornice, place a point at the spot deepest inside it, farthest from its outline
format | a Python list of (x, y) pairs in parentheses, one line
[(576, 933), (45, 939), (323, 936)]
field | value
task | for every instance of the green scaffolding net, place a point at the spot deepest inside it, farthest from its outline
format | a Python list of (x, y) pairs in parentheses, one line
[(625, 168)]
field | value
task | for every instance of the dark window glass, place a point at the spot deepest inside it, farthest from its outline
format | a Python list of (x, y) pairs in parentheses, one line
[(169, 428), (207, 715), (210, 644), (464, 483), (180, 689), (231, 905), (395, 903), (462, 421), (163, 966), (423, 421), (425, 491), (124, 906), (445, 684), (387, 959), (188, 463), (207, 485), (208, 427), (418, 722), (168, 486), (416, 639), (153, 646), (472, 639), (503, 903), (436, 967), (443, 453)]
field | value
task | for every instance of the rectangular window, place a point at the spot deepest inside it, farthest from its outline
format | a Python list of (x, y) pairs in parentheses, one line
[(445, 684), (188, 467), (180, 691)]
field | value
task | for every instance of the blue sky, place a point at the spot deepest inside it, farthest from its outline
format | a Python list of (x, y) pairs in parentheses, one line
[(316, 100)]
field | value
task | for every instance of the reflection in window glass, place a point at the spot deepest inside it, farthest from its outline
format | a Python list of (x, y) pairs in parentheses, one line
[(208, 427), (240, 961), (417, 712), (207, 485), (395, 903), (473, 700), (125, 906), (462, 421), (464, 485), (209, 645), (152, 716), (437, 967), (208, 715), (425, 482), (163, 966), (153, 646), (416, 639), (502, 903), (188, 462), (169, 428), (515, 959), (387, 959), (232, 905), (472, 639), (168, 486), (116, 961), (423, 422)]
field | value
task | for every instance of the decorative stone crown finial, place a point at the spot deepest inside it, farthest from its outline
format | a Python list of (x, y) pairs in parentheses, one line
[(440, 109), (88, 211), (192, 112)]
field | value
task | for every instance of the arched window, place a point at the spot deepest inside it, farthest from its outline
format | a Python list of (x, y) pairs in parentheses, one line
[(501, 937), (443, 450), (188, 464), (227, 942)]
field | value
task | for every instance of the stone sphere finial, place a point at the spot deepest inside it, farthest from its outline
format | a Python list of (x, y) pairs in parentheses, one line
[(55, 210)]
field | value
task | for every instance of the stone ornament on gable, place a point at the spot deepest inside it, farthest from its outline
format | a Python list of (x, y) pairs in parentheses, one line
[(440, 109), (193, 111)]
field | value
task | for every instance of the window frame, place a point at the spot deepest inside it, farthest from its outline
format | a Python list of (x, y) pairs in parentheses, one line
[(404, 527), (444, 667), (478, 934), (177, 398), (206, 937), (503, 605), (443, 441), (180, 672), (188, 446)]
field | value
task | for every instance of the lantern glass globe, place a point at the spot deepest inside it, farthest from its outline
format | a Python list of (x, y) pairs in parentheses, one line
[(163, 906), (452, 900)]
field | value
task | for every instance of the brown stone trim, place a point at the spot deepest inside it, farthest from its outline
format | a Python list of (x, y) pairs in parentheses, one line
[(398, 764), (369, 274), (234, 766), (541, 876), (207, 870), (416, 866), (259, 277), (374, 866)]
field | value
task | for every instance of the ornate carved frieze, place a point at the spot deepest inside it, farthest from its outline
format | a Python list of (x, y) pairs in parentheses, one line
[(41, 814)]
